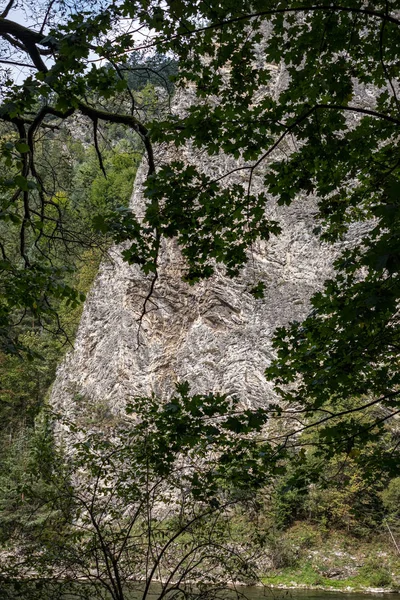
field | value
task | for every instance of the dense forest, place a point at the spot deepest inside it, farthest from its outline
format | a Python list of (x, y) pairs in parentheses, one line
[(301, 490)]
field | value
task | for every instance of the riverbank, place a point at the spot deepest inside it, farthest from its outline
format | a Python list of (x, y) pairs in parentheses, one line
[(346, 587), (306, 558)]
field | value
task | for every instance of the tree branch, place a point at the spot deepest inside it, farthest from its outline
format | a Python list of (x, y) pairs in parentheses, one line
[(342, 414), (7, 9), (27, 38), (295, 9), (264, 13), (16, 63), (96, 145), (46, 16)]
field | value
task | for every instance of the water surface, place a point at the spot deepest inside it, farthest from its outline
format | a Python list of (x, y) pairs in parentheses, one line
[(46, 591)]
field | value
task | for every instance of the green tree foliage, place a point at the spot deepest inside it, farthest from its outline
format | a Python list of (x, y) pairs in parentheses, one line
[(337, 472), (344, 153), (28, 464), (46, 220), (147, 497), (155, 69), (24, 383), (391, 498), (335, 495), (26, 378), (327, 134)]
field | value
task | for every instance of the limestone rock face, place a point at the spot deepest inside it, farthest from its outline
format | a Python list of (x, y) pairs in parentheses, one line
[(215, 334)]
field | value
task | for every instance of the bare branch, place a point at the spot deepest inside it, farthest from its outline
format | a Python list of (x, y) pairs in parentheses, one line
[(145, 303), (47, 15), (7, 9), (16, 63), (96, 145)]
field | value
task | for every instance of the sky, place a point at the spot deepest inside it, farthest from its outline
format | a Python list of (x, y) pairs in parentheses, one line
[(18, 15)]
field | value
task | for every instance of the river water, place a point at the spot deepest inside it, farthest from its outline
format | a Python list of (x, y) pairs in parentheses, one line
[(83, 591), (257, 593)]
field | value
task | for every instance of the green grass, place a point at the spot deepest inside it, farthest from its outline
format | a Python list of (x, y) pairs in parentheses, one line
[(306, 575)]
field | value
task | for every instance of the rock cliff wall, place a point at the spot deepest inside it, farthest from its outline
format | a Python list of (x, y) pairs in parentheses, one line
[(213, 334)]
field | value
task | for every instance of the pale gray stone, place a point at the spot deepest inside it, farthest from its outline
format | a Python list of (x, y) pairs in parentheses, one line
[(215, 334)]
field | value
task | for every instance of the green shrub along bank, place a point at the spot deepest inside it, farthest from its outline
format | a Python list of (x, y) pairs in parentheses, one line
[(304, 556), (332, 519)]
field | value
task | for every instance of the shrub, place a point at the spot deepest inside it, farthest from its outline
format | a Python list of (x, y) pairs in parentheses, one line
[(375, 574), (281, 551), (391, 498)]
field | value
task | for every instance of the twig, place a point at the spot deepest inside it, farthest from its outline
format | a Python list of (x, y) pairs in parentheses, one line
[(392, 536)]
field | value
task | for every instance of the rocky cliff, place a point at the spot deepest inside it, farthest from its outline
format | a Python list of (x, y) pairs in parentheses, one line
[(214, 334)]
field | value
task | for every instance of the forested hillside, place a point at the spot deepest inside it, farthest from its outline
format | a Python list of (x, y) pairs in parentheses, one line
[(26, 376), (198, 490)]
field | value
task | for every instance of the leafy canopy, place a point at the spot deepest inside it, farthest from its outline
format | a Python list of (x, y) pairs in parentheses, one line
[(328, 131)]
